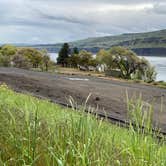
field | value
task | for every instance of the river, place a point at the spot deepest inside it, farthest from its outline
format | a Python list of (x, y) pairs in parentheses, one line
[(158, 62)]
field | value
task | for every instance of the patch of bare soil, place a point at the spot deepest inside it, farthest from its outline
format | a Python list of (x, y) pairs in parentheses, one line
[(107, 96)]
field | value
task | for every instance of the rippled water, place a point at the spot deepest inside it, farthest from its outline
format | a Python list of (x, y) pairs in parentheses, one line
[(158, 62)]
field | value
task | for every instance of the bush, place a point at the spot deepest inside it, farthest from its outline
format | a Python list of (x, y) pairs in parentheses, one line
[(5, 60), (8, 50)]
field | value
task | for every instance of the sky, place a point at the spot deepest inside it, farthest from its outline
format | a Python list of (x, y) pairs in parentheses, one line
[(54, 21)]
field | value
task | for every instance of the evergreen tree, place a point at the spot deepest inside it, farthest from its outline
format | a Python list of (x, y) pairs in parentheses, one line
[(64, 55), (75, 50)]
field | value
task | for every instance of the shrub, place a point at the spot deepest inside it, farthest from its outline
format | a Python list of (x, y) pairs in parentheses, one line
[(8, 50), (5, 60)]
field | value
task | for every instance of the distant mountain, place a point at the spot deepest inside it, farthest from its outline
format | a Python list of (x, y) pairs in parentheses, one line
[(149, 44)]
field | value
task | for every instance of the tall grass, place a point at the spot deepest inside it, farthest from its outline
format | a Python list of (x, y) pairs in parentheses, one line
[(40, 133)]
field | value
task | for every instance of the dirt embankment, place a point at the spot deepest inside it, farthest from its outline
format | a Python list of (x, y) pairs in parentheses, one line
[(108, 96)]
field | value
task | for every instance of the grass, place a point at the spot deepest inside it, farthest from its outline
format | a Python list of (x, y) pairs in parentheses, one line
[(39, 133), (160, 84)]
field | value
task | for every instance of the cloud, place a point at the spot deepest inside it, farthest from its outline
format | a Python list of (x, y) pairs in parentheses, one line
[(159, 8), (41, 21)]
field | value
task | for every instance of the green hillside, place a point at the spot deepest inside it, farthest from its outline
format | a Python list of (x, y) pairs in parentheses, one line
[(133, 40), (149, 43)]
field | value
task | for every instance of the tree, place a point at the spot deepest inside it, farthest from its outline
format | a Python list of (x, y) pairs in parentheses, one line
[(145, 71), (75, 50), (6, 53), (8, 50), (101, 56), (63, 55), (24, 57), (102, 60), (85, 58), (46, 59), (34, 56), (74, 60), (127, 62)]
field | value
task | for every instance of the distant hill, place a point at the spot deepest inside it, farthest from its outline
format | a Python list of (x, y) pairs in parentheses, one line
[(149, 44)]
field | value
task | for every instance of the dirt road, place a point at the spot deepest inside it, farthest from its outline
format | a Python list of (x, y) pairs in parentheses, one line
[(107, 95)]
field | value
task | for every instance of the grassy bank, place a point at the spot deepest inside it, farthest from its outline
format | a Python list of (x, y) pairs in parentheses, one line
[(40, 133)]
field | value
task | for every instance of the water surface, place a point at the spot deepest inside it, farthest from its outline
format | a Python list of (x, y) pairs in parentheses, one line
[(160, 65)]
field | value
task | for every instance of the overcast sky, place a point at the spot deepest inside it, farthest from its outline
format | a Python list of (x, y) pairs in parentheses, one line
[(52, 21)]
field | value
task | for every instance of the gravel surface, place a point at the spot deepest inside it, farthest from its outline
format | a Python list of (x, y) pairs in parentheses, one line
[(107, 96)]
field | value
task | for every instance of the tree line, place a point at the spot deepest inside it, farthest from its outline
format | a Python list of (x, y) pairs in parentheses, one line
[(24, 58), (117, 59)]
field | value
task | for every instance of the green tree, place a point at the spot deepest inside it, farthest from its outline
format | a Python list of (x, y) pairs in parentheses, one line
[(8, 50), (127, 62), (6, 53), (34, 56), (75, 50), (145, 71), (63, 55), (85, 58), (74, 60), (101, 56)]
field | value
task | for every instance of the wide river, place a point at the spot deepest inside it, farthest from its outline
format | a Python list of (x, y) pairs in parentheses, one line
[(158, 62)]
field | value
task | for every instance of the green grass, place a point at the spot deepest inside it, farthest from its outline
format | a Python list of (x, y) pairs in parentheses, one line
[(40, 133)]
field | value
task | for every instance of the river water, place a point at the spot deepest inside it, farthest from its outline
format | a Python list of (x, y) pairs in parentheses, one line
[(160, 65), (158, 62)]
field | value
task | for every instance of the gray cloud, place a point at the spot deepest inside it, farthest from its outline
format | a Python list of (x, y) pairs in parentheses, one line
[(106, 1), (159, 8), (61, 18), (51, 21)]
